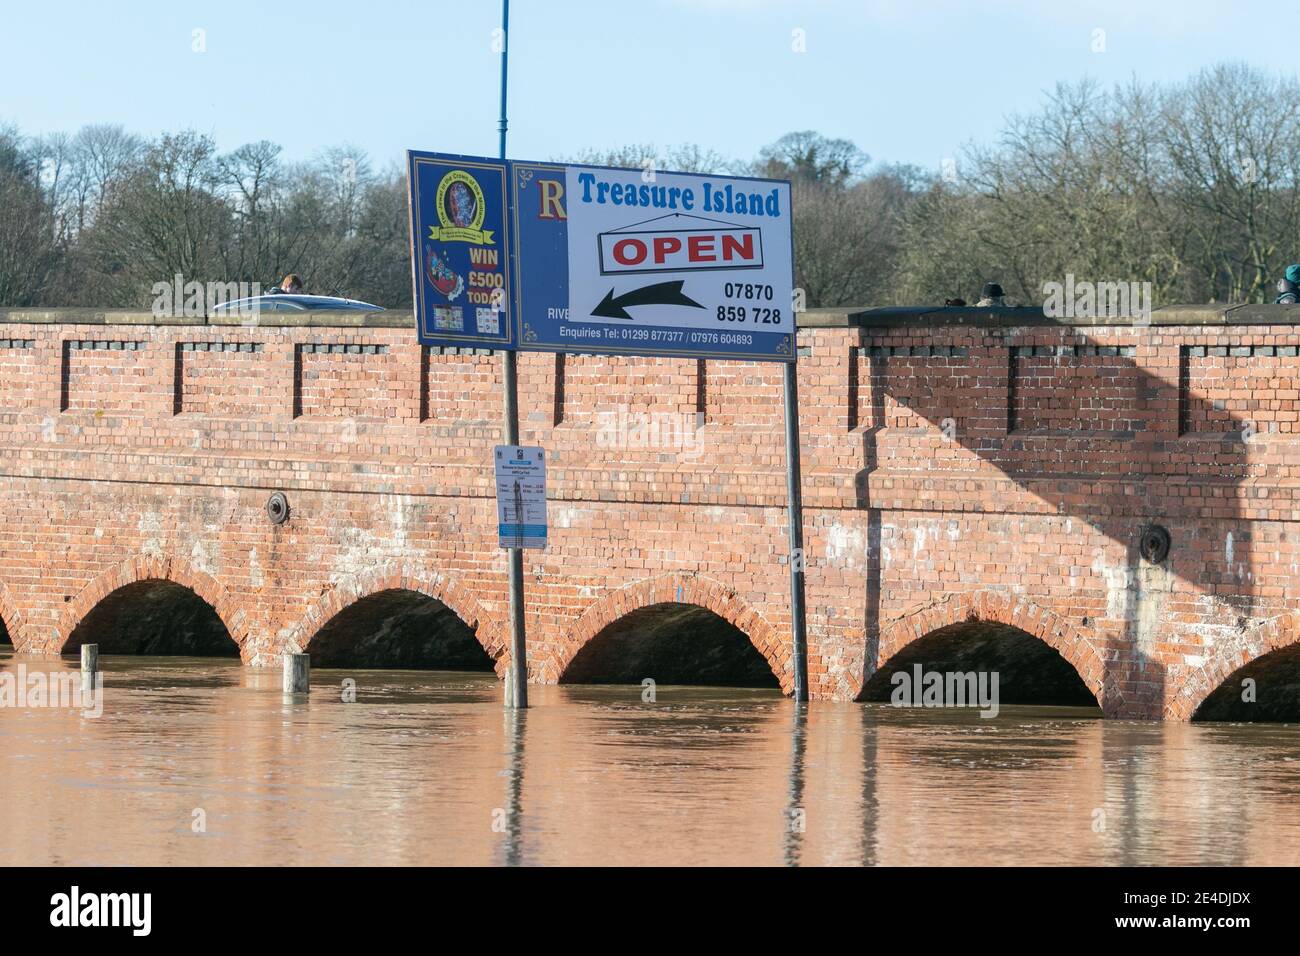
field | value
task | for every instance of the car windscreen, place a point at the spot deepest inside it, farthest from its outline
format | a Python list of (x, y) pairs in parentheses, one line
[(263, 304)]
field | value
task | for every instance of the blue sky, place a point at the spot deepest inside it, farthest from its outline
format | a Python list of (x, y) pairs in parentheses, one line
[(907, 81)]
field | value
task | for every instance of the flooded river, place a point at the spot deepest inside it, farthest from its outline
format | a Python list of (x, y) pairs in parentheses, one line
[(202, 761)]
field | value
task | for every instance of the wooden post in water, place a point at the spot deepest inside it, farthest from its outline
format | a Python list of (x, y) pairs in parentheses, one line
[(510, 687), (89, 667), (297, 673)]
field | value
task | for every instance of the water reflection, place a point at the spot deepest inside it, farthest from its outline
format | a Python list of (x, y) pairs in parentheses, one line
[(512, 822), (796, 818), (427, 768)]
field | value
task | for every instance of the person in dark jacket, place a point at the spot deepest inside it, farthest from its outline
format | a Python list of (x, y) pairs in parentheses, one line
[(1288, 287)]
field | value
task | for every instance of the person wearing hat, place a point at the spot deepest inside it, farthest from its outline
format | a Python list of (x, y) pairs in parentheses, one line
[(1288, 288), (991, 295)]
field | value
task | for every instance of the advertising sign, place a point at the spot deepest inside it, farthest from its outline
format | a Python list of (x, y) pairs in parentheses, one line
[(564, 258), (652, 263), (460, 250)]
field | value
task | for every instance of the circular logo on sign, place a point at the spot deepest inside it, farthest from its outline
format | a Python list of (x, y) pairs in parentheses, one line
[(460, 201)]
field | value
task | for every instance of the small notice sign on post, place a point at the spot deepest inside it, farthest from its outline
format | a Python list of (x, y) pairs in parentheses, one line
[(521, 496)]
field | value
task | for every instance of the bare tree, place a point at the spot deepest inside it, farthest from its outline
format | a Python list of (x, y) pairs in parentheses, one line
[(103, 155), (685, 158), (164, 219), (26, 246), (1234, 146)]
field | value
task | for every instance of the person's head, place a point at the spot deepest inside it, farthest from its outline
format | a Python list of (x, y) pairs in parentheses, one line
[(991, 290), (1287, 287), (1293, 274), (292, 283)]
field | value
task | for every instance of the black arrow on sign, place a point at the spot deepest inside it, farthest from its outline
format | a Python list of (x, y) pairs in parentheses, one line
[(661, 293)]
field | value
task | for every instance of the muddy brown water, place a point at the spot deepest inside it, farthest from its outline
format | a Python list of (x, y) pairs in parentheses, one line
[(202, 761)]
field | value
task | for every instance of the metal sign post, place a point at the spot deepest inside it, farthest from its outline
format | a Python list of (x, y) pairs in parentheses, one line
[(521, 523), (517, 692), (794, 501)]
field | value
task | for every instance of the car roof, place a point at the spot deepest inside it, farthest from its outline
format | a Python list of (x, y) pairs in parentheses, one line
[(292, 302)]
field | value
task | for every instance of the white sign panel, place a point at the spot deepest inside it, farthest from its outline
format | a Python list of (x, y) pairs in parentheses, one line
[(521, 496), (680, 256)]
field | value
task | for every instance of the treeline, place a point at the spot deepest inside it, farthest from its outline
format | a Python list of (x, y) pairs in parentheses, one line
[(98, 217), (1193, 187)]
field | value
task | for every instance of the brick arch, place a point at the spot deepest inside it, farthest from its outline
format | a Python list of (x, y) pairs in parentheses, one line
[(676, 588), (1000, 607), (487, 630), (11, 616), (154, 568), (1262, 639)]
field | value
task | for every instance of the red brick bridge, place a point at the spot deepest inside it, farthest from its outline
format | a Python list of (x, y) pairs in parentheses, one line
[(977, 486)]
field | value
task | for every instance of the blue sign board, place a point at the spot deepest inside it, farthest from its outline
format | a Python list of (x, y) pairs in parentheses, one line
[(605, 260), (460, 250)]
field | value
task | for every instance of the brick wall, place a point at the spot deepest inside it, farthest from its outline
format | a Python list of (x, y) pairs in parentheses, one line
[(106, 375), (1075, 388), (950, 471), (18, 371), (1226, 388), (219, 379), (350, 380)]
